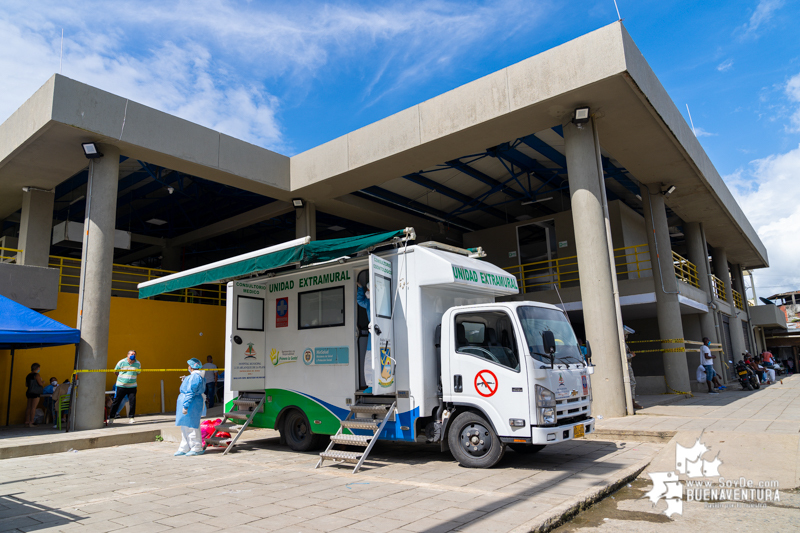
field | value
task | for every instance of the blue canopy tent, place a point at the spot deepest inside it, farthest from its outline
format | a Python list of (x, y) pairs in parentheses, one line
[(22, 328)]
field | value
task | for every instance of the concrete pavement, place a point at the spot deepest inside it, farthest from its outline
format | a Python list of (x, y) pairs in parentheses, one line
[(266, 487)]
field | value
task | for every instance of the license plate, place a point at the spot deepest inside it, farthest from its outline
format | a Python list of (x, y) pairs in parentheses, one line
[(578, 432), (742, 373)]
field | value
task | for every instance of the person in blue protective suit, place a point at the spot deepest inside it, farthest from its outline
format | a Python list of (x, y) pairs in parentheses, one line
[(362, 297), (190, 407)]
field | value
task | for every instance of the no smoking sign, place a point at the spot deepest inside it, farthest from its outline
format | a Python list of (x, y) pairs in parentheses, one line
[(486, 383)]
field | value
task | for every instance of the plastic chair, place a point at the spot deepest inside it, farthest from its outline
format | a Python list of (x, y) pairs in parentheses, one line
[(62, 407)]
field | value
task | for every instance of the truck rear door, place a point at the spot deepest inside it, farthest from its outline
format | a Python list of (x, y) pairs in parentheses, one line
[(487, 370), (382, 286)]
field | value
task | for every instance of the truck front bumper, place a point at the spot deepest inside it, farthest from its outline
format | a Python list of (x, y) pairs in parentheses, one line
[(560, 433)]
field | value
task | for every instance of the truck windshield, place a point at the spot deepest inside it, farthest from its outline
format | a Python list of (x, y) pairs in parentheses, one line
[(535, 320)]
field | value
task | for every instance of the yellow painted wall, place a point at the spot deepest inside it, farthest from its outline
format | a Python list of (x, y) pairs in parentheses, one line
[(164, 335)]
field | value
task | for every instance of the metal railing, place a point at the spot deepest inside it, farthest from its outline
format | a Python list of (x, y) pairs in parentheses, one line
[(718, 287), (685, 270), (9, 255), (737, 300), (631, 261), (125, 278)]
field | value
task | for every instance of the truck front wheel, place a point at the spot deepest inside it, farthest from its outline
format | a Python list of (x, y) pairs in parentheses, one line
[(297, 432), (473, 442)]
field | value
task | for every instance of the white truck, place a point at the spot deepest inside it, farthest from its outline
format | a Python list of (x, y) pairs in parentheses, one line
[(451, 365)]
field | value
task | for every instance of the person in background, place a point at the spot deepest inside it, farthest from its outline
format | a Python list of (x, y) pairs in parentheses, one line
[(211, 381), (49, 401), (631, 355), (60, 390), (707, 360), (33, 391), (362, 297), (127, 371), (190, 408)]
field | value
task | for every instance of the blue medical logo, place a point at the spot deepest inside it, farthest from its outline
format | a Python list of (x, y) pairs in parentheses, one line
[(282, 306)]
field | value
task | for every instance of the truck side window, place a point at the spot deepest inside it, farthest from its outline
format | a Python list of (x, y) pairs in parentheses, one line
[(488, 335), (322, 308)]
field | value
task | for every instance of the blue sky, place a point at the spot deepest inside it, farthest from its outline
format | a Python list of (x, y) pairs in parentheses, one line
[(291, 75)]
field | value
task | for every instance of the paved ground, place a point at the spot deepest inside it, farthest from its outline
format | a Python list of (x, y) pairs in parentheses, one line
[(266, 487)]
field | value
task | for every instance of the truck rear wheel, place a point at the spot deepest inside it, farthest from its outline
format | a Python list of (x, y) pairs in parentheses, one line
[(297, 432), (527, 448), (473, 442)]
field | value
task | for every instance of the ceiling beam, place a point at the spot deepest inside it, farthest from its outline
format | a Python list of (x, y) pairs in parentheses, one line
[(467, 201)]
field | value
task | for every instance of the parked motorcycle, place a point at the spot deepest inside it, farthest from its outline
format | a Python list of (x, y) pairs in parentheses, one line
[(747, 378)]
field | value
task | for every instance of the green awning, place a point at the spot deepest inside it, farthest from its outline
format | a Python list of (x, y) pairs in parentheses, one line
[(297, 252)]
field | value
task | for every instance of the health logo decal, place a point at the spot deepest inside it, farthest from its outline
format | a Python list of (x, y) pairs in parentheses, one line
[(386, 376), (273, 356), (250, 353), (688, 461)]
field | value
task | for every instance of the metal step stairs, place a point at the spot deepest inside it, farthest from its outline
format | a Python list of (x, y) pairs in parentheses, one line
[(372, 417), (247, 406)]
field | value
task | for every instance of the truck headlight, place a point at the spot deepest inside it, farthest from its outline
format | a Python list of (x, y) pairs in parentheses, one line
[(545, 397), (546, 416)]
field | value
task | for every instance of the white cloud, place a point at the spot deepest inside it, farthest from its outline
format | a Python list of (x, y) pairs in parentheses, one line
[(231, 65), (762, 14), (700, 132), (768, 191), (725, 65), (793, 93)]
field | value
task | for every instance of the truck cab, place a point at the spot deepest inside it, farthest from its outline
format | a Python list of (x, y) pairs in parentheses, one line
[(513, 374)]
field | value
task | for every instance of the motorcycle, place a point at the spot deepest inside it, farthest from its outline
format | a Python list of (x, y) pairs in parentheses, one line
[(747, 378)]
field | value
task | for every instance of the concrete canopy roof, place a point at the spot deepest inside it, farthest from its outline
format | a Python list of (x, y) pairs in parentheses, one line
[(638, 124)]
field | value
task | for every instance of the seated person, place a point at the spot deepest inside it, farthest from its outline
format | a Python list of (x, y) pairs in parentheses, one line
[(47, 397), (62, 390)]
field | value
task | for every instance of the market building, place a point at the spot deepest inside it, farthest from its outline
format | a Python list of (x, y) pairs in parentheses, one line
[(573, 169)]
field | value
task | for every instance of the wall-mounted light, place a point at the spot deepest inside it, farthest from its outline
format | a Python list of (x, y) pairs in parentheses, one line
[(670, 190), (298, 203), (91, 151), (581, 115)]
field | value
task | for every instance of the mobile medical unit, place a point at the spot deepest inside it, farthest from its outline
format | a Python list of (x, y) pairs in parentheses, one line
[(451, 365)]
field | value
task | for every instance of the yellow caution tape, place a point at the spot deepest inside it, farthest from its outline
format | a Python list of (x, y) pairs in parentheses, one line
[(673, 390), (662, 350), (659, 340), (137, 370)]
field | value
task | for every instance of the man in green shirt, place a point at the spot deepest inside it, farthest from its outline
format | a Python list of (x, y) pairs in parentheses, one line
[(127, 371)]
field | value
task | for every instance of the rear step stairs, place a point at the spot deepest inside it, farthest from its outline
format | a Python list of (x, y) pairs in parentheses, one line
[(247, 406), (371, 417)]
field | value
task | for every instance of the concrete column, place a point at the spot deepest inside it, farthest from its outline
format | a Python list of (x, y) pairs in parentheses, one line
[(600, 303), (720, 261), (738, 284), (698, 254), (306, 221), (94, 300), (36, 227), (670, 326)]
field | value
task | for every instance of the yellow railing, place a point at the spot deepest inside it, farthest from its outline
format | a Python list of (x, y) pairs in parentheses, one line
[(9, 255), (125, 278), (719, 288), (737, 300), (685, 270), (561, 272)]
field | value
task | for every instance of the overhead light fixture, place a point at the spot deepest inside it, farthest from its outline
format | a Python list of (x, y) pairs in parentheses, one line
[(156, 222), (670, 190), (91, 151), (531, 202), (638, 197), (78, 199), (170, 190), (335, 228), (298, 203), (581, 115)]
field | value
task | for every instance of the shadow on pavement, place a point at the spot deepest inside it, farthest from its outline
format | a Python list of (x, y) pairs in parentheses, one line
[(17, 513)]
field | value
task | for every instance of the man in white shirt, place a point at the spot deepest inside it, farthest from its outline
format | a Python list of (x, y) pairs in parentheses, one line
[(707, 360), (211, 381)]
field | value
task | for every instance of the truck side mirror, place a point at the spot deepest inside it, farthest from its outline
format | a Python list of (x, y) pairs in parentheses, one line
[(549, 342), (588, 352)]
